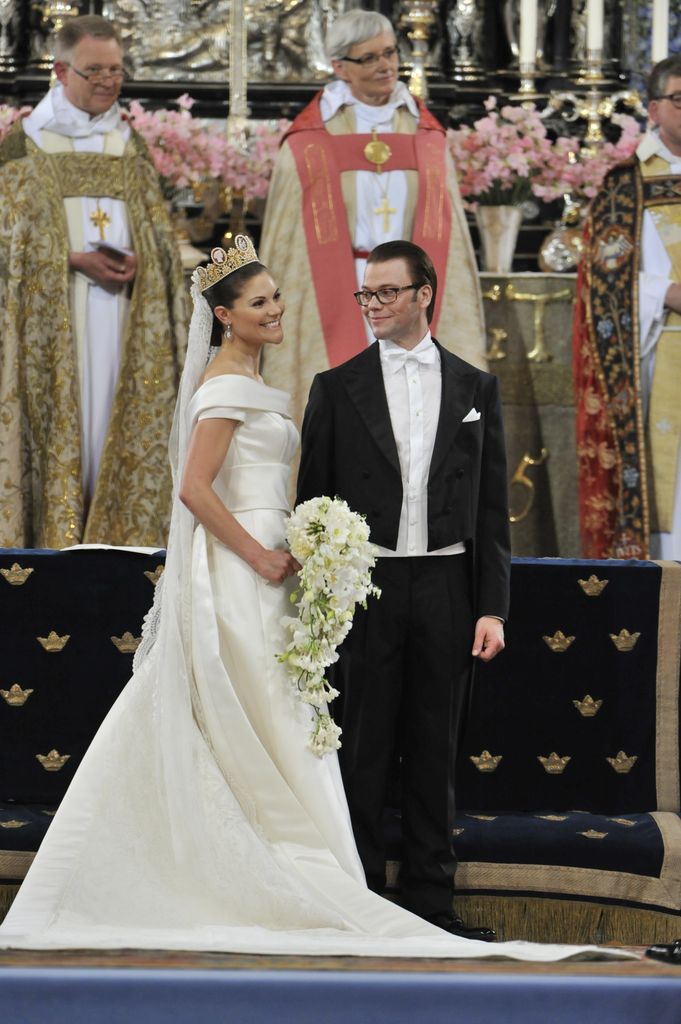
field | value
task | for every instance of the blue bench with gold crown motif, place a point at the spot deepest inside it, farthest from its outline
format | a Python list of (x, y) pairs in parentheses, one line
[(568, 776), (69, 623)]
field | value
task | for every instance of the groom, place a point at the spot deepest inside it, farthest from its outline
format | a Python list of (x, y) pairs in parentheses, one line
[(411, 436)]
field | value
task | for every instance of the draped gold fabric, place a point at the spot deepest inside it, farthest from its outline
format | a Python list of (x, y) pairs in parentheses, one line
[(41, 498)]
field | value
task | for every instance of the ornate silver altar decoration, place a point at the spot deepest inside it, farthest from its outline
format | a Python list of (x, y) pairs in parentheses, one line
[(188, 40), (511, 21), (464, 25), (9, 25), (53, 14)]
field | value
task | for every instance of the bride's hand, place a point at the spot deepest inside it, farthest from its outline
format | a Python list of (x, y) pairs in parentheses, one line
[(275, 566)]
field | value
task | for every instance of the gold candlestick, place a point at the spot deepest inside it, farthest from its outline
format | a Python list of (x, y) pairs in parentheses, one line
[(419, 18)]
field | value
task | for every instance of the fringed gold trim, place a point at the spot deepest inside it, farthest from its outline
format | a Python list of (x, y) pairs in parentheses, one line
[(567, 921), (15, 863), (7, 894)]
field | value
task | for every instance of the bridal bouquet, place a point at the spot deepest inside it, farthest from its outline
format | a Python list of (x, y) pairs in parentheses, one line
[(332, 544)]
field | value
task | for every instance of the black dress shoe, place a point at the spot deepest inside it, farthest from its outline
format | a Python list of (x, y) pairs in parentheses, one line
[(670, 952), (454, 925)]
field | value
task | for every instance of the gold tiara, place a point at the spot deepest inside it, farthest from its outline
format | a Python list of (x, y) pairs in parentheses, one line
[(224, 262)]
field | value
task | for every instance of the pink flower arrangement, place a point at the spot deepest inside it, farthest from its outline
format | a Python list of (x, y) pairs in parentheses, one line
[(508, 156), (501, 157), (250, 169), (186, 150)]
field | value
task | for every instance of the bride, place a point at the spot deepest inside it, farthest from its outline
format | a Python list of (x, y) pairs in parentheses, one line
[(198, 819)]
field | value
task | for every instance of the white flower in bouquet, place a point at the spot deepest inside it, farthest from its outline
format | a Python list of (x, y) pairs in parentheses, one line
[(332, 544)]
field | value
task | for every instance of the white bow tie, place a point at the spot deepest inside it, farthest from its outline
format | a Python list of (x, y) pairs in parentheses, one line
[(399, 357)]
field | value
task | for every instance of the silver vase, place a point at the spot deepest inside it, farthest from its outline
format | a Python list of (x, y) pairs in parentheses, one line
[(498, 227)]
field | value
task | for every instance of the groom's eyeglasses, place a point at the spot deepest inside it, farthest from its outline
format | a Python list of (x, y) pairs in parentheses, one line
[(384, 295)]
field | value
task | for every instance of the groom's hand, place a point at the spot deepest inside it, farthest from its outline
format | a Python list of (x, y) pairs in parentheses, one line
[(489, 638)]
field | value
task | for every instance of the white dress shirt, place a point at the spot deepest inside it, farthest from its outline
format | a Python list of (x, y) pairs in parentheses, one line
[(413, 386)]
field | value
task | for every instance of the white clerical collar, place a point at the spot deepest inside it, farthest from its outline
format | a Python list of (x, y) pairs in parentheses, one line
[(652, 145), (338, 94), (55, 113), (393, 355)]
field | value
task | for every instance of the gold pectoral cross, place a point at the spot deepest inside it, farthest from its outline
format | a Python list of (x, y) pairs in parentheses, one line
[(101, 220), (386, 210)]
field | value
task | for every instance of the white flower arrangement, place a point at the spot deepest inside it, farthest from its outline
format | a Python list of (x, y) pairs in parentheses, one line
[(331, 542)]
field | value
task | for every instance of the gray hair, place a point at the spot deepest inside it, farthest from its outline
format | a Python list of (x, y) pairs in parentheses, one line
[(354, 27), (658, 78), (75, 29)]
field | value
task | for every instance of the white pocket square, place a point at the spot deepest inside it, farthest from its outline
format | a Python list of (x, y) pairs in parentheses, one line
[(471, 416)]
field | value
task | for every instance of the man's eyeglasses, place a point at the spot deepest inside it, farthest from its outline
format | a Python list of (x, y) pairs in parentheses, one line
[(673, 97), (370, 60), (95, 74), (384, 295)]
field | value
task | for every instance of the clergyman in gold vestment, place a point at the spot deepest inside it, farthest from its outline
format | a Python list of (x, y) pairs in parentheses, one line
[(92, 310)]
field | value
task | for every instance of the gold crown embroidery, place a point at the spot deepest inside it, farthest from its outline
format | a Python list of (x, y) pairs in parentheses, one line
[(53, 642), (593, 587), (126, 644), (552, 817), (483, 817), (223, 263), (622, 763), (486, 762), (154, 576), (588, 707), (592, 834), (16, 575), (15, 696), (554, 764), (14, 823), (54, 761), (623, 821), (624, 640), (558, 642)]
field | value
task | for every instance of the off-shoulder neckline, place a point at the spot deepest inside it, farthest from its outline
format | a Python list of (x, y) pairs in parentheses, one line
[(242, 376)]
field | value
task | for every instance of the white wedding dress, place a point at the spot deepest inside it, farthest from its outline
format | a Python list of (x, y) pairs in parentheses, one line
[(199, 820)]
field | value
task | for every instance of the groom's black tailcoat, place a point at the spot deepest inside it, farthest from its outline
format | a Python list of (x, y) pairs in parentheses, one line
[(405, 669)]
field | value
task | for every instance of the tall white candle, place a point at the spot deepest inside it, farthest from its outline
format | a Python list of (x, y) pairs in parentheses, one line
[(594, 25), (527, 51), (660, 40), (238, 60)]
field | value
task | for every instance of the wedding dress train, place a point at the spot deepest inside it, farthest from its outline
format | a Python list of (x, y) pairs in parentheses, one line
[(197, 818)]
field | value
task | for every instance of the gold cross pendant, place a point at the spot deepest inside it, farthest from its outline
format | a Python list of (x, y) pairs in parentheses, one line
[(101, 220), (385, 209)]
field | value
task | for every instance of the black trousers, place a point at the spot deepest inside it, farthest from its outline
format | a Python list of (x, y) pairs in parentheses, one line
[(405, 672)]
